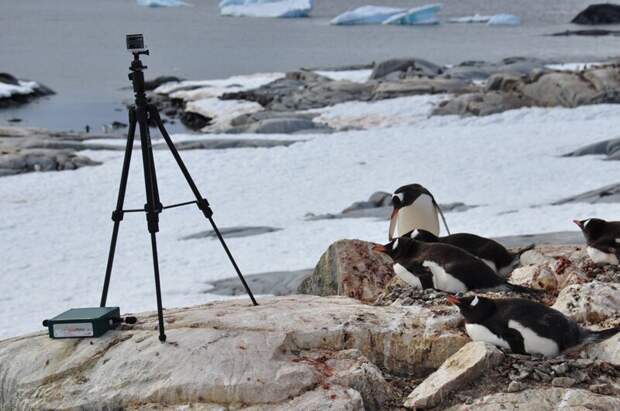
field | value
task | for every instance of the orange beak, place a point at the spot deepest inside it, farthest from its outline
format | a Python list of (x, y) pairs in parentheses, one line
[(380, 248), (453, 299), (578, 223)]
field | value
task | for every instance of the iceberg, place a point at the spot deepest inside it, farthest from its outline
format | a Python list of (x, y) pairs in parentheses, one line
[(389, 15), (504, 20), (416, 16), (476, 18), (161, 3), (366, 15), (266, 8)]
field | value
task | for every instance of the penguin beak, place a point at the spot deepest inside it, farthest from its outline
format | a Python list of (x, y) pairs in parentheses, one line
[(579, 223), (380, 248), (393, 218), (453, 299)]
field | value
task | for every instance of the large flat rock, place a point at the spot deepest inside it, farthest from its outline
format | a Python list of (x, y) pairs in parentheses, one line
[(295, 352)]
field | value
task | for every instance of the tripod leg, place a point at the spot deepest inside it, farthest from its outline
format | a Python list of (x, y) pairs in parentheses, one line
[(117, 215), (152, 207), (202, 202)]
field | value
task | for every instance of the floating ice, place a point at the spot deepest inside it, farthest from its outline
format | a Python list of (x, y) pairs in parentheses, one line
[(389, 15), (161, 3), (416, 16), (476, 18), (366, 15), (504, 20), (266, 8)]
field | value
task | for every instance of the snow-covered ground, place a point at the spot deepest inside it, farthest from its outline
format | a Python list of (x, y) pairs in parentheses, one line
[(55, 227)]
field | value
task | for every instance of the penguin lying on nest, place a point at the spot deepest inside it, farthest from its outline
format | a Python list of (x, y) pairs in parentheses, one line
[(443, 267), (602, 238), (414, 207), (523, 326), (489, 251)]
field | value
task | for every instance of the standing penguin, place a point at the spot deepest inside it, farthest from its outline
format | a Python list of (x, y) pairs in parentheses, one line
[(414, 207), (523, 326), (490, 251), (452, 269), (603, 239)]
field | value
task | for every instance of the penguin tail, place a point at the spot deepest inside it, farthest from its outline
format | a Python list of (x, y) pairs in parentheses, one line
[(598, 336), (525, 290)]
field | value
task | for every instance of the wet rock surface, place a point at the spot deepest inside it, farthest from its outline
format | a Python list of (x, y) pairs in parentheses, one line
[(606, 194), (272, 283), (233, 232), (609, 148), (598, 14)]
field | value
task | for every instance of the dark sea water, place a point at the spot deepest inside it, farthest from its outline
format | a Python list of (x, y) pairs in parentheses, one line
[(76, 47)]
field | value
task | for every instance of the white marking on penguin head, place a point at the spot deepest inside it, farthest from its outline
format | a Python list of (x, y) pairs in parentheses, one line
[(395, 244), (474, 302), (586, 222), (414, 233)]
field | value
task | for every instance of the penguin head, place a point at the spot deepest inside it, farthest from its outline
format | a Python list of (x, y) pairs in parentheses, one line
[(591, 227), (473, 308), (406, 195), (422, 235), (397, 248)]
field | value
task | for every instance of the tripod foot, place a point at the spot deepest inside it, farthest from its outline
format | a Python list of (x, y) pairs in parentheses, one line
[(162, 338)]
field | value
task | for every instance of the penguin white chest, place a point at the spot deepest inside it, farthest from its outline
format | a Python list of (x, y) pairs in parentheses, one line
[(534, 343), (407, 276), (478, 332), (443, 280), (421, 214), (600, 257)]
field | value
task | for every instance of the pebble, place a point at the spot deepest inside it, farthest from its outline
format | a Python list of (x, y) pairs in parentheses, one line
[(515, 386), (560, 369), (564, 382)]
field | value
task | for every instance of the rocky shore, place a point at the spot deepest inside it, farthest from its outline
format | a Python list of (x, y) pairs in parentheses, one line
[(14, 91), (368, 342), (288, 104)]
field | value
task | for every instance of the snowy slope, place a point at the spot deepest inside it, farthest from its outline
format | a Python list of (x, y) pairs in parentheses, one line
[(55, 227)]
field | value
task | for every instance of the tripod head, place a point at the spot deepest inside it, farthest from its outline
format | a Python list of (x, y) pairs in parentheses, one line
[(135, 45)]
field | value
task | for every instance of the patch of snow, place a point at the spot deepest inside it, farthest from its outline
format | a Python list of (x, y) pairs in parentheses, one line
[(379, 114), (196, 90), (24, 87), (57, 231), (425, 15), (222, 111), (504, 20), (357, 76), (266, 8), (573, 66)]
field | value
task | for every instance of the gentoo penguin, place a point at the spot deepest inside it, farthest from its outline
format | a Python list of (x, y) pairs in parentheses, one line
[(414, 207), (526, 327), (490, 251), (452, 269), (603, 239)]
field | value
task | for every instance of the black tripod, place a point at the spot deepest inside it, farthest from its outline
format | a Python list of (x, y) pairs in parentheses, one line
[(140, 114)]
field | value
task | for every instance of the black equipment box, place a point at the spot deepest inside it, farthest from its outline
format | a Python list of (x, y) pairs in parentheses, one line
[(83, 322)]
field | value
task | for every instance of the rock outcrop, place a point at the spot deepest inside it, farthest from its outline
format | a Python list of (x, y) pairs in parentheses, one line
[(352, 269), (14, 91), (299, 352), (538, 89)]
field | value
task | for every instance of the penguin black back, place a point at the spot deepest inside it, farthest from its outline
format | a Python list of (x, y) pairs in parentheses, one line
[(453, 269), (490, 251)]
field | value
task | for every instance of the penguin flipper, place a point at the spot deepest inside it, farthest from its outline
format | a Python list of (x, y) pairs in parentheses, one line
[(514, 339)]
